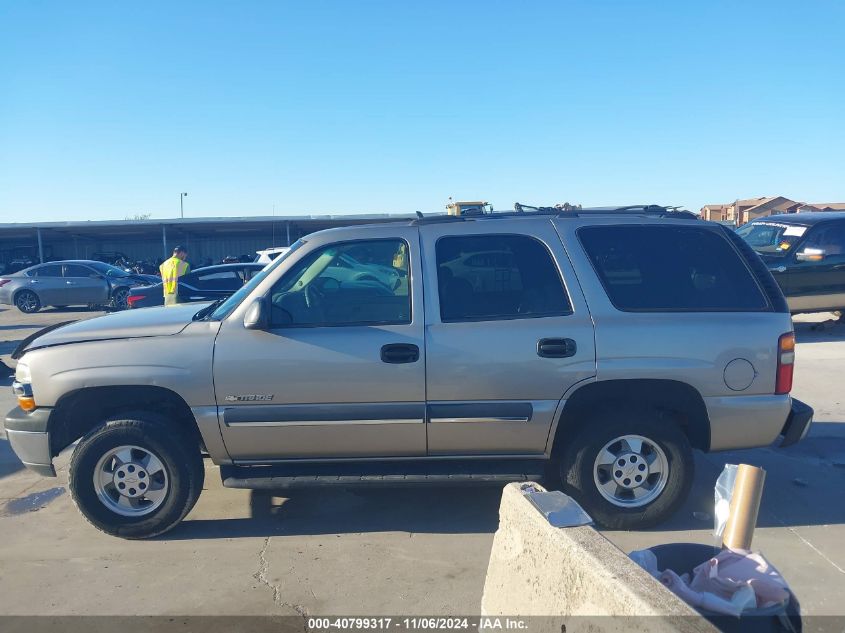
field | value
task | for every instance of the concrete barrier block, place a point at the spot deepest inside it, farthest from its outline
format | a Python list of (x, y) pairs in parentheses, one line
[(539, 570)]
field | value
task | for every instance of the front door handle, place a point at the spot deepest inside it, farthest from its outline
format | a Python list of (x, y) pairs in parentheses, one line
[(556, 347), (396, 353)]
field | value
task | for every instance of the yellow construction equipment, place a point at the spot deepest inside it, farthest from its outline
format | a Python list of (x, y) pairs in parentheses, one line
[(468, 208)]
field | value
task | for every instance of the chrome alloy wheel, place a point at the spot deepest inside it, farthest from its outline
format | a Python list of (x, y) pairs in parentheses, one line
[(120, 299), (27, 301), (631, 471), (130, 481)]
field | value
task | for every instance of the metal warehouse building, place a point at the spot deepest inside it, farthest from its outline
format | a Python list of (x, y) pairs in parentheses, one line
[(206, 238)]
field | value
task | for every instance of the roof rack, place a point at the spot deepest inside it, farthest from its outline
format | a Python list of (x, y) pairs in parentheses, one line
[(526, 210)]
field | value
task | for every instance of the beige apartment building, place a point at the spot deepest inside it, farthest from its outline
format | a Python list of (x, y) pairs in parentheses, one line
[(739, 212)]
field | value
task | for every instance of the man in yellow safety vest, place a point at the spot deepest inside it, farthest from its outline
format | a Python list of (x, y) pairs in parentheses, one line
[(171, 270)]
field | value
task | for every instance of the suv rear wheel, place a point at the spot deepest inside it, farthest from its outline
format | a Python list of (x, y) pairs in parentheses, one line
[(135, 478), (630, 470)]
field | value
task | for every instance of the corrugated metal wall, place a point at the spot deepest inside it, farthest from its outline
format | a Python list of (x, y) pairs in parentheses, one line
[(200, 248)]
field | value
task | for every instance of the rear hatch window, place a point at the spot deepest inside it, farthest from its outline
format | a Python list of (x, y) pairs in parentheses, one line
[(671, 269)]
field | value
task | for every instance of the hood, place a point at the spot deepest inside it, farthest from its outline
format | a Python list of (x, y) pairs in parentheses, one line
[(162, 321)]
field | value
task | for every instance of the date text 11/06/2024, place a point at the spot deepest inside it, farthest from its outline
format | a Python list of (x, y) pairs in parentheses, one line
[(416, 623)]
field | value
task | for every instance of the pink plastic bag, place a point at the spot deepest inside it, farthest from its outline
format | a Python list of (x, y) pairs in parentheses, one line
[(730, 570)]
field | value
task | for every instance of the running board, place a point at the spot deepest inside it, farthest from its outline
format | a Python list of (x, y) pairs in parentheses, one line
[(398, 473)]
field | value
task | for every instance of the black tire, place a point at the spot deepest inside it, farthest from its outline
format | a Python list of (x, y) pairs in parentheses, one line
[(27, 302), (578, 460), (119, 299), (178, 452)]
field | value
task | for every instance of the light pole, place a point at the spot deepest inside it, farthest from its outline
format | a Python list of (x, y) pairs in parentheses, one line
[(182, 204)]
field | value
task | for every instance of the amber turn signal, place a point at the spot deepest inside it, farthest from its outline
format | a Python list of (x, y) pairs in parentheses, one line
[(27, 403)]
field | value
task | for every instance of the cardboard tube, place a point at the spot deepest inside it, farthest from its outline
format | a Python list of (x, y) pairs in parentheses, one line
[(745, 505)]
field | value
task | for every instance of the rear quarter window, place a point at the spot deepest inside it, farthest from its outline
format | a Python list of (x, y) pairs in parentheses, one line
[(671, 269)]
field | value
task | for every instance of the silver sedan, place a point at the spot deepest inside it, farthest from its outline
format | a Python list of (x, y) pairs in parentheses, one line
[(66, 283)]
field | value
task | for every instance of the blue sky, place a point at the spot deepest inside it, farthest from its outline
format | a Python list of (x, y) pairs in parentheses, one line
[(111, 109)]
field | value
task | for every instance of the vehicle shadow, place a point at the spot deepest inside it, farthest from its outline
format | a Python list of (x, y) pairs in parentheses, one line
[(346, 511), (805, 483), (824, 332), (70, 309), (9, 462), (7, 347)]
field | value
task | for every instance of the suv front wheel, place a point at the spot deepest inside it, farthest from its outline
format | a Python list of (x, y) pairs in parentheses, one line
[(135, 478), (628, 470)]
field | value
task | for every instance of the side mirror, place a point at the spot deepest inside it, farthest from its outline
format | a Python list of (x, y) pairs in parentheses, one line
[(810, 255), (256, 315)]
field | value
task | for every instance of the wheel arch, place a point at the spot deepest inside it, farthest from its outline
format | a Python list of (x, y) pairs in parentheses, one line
[(78, 412), (678, 399), (21, 290)]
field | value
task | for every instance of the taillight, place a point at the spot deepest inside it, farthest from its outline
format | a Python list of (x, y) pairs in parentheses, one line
[(131, 299), (3, 282), (786, 363)]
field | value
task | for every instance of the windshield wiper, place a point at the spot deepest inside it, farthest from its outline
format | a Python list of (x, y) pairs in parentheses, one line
[(207, 310)]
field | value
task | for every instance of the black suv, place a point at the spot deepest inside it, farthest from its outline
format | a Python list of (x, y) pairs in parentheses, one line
[(806, 254)]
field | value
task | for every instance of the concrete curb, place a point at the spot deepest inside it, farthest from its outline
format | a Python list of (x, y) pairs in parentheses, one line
[(539, 570)]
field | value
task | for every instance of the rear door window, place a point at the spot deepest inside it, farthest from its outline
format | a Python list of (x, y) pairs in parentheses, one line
[(489, 277), (75, 270), (219, 280), (51, 270), (671, 269)]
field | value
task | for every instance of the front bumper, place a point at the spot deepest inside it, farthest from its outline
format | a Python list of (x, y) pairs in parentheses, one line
[(797, 424), (30, 439)]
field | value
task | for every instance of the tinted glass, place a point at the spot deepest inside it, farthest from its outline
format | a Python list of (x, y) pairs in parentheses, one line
[(669, 268), (488, 277), (358, 283), (51, 270), (75, 270), (829, 237), (219, 280), (771, 237)]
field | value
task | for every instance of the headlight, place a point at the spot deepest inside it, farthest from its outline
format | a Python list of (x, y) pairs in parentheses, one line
[(22, 374)]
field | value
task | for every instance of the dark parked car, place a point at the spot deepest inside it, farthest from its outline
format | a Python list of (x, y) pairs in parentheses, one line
[(806, 254), (67, 283), (203, 284)]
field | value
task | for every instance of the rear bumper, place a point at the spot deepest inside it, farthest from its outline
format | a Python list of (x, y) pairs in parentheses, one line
[(797, 424), (30, 439), (746, 421)]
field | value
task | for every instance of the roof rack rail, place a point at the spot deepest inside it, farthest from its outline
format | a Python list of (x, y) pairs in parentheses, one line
[(526, 210), (439, 219)]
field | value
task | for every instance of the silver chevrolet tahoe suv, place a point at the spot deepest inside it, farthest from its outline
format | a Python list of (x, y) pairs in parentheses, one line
[(594, 348)]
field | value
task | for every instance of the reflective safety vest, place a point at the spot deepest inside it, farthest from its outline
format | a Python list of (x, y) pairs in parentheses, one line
[(171, 270)]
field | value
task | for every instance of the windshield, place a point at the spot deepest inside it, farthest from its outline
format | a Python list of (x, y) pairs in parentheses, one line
[(225, 308), (771, 237), (108, 270)]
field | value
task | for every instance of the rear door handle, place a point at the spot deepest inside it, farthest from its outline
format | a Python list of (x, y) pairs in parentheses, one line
[(556, 347), (396, 353)]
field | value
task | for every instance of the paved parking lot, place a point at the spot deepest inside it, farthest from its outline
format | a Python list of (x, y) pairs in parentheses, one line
[(420, 551)]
